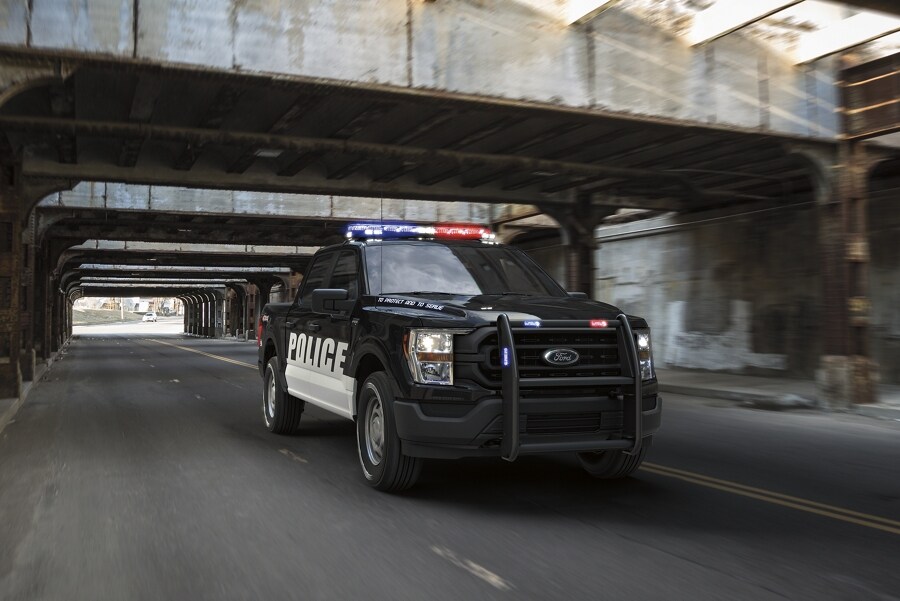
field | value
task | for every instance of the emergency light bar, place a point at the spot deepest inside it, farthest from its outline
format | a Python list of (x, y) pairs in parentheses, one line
[(395, 231)]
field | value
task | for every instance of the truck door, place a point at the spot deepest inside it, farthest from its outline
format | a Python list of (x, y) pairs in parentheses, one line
[(326, 382), (321, 343), (296, 322)]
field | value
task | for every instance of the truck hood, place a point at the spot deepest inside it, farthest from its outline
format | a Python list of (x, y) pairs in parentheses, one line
[(486, 307)]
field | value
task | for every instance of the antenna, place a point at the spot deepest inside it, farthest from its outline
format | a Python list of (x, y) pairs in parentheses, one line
[(381, 247)]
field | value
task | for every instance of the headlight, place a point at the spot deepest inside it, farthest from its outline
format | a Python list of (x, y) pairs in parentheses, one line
[(645, 353), (430, 356)]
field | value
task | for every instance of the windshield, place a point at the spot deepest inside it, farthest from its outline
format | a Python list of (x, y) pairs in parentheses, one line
[(456, 269)]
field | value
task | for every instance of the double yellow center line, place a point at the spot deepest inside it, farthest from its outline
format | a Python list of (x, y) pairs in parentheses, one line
[(205, 354), (777, 498), (752, 492)]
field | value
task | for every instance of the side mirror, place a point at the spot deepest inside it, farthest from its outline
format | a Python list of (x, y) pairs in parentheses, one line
[(572, 294), (331, 300)]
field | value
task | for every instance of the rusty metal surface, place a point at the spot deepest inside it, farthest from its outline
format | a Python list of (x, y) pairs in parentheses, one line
[(137, 122), (870, 95)]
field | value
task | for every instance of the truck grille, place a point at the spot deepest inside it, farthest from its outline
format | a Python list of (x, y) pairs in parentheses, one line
[(562, 423), (478, 358)]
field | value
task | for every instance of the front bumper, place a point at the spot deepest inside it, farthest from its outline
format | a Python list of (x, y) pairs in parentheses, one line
[(526, 417), (478, 432)]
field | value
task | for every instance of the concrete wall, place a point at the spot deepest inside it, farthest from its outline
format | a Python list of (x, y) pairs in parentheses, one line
[(99, 195), (884, 285), (739, 294), (496, 48)]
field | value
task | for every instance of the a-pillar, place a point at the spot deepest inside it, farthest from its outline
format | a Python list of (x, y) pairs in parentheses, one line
[(577, 222)]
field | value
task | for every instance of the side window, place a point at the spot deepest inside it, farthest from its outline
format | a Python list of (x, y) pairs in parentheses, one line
[(346, 274), (315, 278)]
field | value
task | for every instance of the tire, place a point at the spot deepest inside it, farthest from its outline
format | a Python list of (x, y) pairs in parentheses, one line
[(610, 465), (384, 466), (281, 411)]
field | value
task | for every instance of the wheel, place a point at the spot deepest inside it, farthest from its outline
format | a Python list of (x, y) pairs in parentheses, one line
[(384, 466), (613, 464), (281, 411)]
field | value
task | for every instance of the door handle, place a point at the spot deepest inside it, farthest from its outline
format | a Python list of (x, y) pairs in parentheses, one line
[(291, 323), (313, 326)]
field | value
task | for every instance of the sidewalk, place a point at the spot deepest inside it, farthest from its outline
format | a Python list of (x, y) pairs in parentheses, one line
[(768, 393)]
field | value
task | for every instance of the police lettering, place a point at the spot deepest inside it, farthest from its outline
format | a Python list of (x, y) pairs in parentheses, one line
[(320, 354)]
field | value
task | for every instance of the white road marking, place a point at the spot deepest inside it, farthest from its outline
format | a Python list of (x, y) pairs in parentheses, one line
[(473, 568), (176, 381), (200, 397), (293, 456)]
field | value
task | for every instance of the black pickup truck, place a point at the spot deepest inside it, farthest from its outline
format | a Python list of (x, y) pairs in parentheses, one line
[(447, 348)]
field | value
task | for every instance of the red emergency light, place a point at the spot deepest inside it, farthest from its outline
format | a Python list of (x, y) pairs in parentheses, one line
[(463, 231), (412, 231)]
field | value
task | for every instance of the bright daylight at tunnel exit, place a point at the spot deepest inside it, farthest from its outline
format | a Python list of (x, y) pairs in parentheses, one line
[(449, 299)]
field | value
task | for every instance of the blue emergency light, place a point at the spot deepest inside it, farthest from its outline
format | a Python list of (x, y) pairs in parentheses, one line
[(394, 231)]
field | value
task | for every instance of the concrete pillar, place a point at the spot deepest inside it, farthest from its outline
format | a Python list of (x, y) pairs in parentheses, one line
[(219, 317), (577, 224), (208, 318), (260, 299), (40, 313), (249, 327), (847, 372), (10, 289), (196, 313), (29, 308)]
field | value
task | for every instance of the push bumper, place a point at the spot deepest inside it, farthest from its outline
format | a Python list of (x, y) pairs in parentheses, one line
[(505, 425), (479, 432)]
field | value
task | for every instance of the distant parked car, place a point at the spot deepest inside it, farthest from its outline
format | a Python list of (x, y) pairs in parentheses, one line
[(150, 316)]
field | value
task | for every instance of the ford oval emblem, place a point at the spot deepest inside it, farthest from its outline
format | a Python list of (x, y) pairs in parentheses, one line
[(561, 356)]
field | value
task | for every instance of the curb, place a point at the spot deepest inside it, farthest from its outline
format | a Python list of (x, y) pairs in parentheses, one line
[(14, 404), (10, 411), (891, 413), (759, 400)]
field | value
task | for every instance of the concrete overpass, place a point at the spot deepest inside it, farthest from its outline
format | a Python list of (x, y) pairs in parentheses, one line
[(367, 106)]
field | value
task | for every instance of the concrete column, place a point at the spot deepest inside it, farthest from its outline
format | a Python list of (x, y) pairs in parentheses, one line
[(577, 223), (196, 316), (263, 288), (219, 319), (70, 306), (249, 327), (847, 373), (40, 313), (29, 310), (10, 289), (53, 301), (207, 319)]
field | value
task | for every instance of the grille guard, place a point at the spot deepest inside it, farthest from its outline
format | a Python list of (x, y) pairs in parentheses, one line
[(511, 447)]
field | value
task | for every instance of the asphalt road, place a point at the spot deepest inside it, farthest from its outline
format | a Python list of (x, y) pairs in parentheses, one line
[(139, 468)]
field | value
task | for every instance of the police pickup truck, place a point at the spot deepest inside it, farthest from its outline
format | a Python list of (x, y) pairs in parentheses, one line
[(440, 343)]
